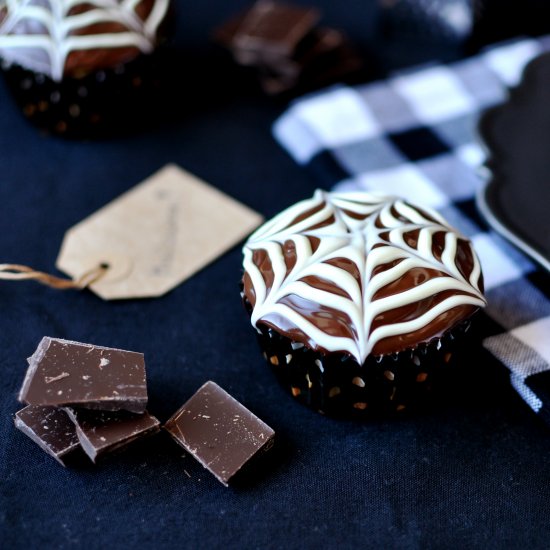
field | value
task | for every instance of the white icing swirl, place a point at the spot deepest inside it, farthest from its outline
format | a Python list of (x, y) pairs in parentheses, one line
[(371, 233), (40, 34)]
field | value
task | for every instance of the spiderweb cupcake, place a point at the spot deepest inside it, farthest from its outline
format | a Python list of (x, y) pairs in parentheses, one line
[(82, 68), (359, 299)]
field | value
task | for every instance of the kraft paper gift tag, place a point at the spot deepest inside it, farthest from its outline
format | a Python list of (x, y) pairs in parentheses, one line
[(155, 236)]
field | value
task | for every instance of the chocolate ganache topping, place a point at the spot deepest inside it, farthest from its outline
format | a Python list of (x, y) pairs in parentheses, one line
[(71, 37), (360, 273)]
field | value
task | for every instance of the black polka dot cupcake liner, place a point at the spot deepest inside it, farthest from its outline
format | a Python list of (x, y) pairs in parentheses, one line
[(336, 385), (100, 104)]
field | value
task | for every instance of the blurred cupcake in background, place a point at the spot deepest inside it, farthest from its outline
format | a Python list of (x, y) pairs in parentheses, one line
[(83, 69)]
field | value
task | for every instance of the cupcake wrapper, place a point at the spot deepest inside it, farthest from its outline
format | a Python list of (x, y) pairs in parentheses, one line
[(335, 384), (100, 103)]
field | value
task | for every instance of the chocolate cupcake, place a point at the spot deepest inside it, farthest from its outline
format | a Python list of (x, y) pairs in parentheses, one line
[(82, 68), (359, 299)]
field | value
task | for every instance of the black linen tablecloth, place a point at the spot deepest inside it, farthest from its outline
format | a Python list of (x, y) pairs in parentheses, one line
[(471, 471)]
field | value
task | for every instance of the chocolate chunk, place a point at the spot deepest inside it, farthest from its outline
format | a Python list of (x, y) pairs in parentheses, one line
[(267, 48), (50, 428), (70, 373), (273, 28), (288, 52), (219, 432), (101, 432)]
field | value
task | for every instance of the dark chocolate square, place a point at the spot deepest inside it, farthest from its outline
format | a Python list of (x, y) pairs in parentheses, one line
[(50, 428), (219, 432), (101, 432), (62, 372), (273, 28)]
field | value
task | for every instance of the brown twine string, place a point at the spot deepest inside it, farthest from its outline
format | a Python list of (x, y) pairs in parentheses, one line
[(16, 272)]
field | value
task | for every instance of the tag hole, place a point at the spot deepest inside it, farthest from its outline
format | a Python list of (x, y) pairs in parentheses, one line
[(104, 265)]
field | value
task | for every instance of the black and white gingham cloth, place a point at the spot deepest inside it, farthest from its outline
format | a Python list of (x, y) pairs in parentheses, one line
[(414, 135)]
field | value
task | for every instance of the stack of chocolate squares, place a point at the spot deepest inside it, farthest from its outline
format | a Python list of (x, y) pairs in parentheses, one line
[(287, 49), (93, 398), (84, 396)]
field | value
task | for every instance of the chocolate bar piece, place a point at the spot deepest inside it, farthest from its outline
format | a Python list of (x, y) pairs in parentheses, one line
[(70, 373), (267, 33), (287, 50), (219, 432), (273, 28), (101, 432), (50, 428)]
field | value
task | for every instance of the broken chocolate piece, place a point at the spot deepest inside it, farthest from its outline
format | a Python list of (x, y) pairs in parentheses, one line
[(219, 432), (62, 372), (268, 32), (273, 28), (101, 432), (50, 428), (287, 50)]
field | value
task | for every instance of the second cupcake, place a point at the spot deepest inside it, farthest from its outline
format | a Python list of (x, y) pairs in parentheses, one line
[(82, 69)]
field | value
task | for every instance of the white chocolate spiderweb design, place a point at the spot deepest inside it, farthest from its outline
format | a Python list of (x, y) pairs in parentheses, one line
[(338, 255), (40, 34)]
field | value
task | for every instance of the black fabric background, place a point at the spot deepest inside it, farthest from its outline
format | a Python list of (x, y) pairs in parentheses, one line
[(472, 471)]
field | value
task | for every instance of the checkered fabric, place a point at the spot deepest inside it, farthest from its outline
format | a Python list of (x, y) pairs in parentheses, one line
[(414, 135)]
